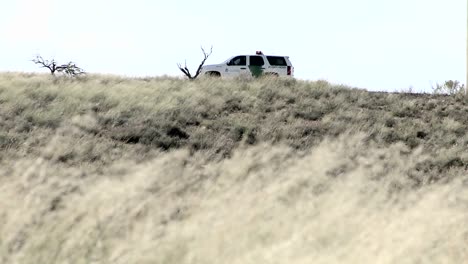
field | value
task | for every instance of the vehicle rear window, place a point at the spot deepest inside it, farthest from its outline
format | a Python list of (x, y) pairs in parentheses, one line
[(256, 61), (276, 61)]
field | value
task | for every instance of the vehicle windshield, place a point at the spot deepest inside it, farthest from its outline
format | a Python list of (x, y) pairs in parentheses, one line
[(228, 60)]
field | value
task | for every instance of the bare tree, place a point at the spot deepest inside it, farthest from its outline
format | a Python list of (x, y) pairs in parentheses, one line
[(186, 71), (69, 69), (51, 65)]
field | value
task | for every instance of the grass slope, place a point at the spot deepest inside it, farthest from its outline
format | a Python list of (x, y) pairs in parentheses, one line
[(106, 169)]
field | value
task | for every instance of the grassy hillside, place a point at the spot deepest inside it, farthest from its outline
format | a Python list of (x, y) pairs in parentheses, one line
[(159, 170)]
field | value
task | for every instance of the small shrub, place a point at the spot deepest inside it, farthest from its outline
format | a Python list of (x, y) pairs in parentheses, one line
[(390, 122), (7, 141), (449, 87)]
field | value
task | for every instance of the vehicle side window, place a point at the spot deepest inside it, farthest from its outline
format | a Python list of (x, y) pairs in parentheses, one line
[(276, 61), (238, 61), (256, 61)]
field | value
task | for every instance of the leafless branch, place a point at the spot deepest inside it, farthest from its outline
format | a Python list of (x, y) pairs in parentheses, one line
[(186, 71)]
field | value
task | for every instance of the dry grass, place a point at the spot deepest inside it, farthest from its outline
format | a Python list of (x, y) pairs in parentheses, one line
[(160, 170)]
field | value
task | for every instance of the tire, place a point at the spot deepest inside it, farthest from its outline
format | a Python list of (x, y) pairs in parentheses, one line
[(270, 75)]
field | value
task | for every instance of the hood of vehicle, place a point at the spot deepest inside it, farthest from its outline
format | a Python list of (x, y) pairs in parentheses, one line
[(213, 66)]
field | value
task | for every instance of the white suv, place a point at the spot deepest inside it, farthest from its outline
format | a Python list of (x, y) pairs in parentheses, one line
[(251, 65)]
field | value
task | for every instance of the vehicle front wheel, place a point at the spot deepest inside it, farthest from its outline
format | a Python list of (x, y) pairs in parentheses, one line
[(213, 74)]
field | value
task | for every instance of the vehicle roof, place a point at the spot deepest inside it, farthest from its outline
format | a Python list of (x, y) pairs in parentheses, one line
[(287, 57), (260, 55)]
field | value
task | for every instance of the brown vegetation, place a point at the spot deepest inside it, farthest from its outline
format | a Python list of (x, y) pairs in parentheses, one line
[(159, 170)]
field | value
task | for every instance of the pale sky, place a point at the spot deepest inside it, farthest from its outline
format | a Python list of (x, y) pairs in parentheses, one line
[(373, 44)]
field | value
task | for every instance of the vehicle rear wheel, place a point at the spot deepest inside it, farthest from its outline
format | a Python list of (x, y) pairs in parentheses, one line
[(270, 75)]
